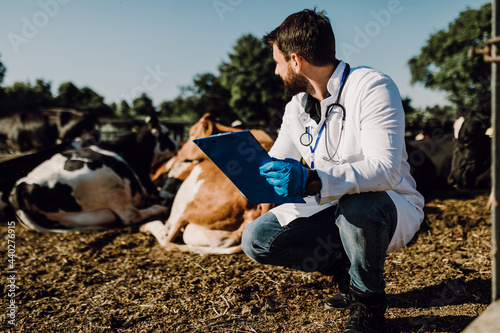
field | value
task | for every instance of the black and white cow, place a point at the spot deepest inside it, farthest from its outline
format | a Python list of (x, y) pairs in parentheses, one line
[(430, 161), (37, 130), (471, 163), (95, 187), (15, 166)]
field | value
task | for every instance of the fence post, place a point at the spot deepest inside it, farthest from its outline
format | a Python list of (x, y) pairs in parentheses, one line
[(495, 104)]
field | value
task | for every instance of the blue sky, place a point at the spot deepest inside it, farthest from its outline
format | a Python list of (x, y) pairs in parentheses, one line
[(121, 48)]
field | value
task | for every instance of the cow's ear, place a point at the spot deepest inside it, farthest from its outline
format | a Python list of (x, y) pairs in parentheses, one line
[(152, 122), (206, 116), (208, 127)]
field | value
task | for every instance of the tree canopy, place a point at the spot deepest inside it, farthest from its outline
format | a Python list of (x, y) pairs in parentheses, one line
[(255, 91), (443, 63), (25, 96), (2, 72), (246, 88)]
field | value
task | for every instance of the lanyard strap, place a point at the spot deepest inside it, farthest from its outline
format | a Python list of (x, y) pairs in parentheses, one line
[(342, 83)]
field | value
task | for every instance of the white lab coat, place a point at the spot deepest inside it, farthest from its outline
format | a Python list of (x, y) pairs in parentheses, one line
[(371, 155)]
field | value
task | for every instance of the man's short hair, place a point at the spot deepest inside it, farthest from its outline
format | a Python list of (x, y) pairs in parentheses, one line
[(307, 33)]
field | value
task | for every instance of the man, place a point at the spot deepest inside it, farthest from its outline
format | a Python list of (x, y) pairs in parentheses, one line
[(347, 125)]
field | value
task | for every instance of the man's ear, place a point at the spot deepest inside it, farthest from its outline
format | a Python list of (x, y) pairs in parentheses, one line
[(296, 62)]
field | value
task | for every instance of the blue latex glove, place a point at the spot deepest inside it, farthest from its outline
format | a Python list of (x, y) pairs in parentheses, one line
[(288, 176)]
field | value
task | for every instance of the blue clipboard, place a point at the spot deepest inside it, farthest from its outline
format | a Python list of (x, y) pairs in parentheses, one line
[(239, 156)]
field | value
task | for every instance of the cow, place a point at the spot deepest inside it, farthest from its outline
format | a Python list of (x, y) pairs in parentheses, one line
[(208, 209), (25, 131), (430, 159), (422, 169), (15, 166), (37, 130), (95, 187), (471, 163), (171, 174), (72, 124)]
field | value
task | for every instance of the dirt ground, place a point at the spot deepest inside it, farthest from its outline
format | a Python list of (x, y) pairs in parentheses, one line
[(122, 281)]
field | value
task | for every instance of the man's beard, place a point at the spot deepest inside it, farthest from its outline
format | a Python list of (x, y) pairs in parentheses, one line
[(295, 83)]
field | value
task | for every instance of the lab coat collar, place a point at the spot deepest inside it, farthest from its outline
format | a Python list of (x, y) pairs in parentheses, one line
[(333, 84), (333, 87)]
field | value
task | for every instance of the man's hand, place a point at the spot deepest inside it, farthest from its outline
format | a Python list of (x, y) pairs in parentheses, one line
[(288, 176)]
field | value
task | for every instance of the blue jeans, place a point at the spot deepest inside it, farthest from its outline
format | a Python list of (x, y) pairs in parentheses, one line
[(359, 228)]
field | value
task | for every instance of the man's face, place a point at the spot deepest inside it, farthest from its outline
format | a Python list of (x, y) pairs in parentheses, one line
[(294, 83)]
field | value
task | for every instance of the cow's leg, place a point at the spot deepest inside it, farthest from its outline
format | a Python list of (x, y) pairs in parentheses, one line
[(98, 218), (205, 249), (155, 228), (105, 217), (200, 239), (201, 236), (129, 214), (185, 196)]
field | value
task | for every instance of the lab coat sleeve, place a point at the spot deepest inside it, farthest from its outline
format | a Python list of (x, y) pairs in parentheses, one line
[(283, 146), (381, 120)]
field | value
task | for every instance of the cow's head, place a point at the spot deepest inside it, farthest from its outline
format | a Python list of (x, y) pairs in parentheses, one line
[(165, 147), (170, 176), (470, 166), (72, 124), (206, 126)]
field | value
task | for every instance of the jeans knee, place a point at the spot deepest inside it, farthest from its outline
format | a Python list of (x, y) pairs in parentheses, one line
[(354, 206), (366, 208), (249, 242)]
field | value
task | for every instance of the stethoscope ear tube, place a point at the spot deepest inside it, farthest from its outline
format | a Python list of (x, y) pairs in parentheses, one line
[(306, 138)]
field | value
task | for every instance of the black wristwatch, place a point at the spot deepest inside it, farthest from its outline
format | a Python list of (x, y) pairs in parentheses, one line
[(313, 183)]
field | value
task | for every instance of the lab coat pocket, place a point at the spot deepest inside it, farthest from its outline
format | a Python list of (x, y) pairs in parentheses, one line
[(351, 150)]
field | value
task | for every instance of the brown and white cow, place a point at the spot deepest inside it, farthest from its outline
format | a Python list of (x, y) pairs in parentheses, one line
[(95, 187), (208, 209)]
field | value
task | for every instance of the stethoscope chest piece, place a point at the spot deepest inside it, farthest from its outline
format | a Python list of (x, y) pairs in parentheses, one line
[(306, 138)]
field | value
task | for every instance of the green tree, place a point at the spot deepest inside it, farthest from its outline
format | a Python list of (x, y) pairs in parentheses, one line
[(71, 96), (23, 96), (124, 110), (142, 106), (184, 107), (3, 99), (2, 72), (255, 91), (205, 95), (113, 107), (443, 64)]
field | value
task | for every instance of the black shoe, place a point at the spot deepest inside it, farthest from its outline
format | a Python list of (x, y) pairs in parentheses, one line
[(339, 301), (343, 298), (366, 312)]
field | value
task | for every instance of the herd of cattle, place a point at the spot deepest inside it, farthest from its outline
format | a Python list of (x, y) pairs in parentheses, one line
[(57, 177)]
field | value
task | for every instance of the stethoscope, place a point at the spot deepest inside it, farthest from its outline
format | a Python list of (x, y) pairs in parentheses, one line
[(306, 139)]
